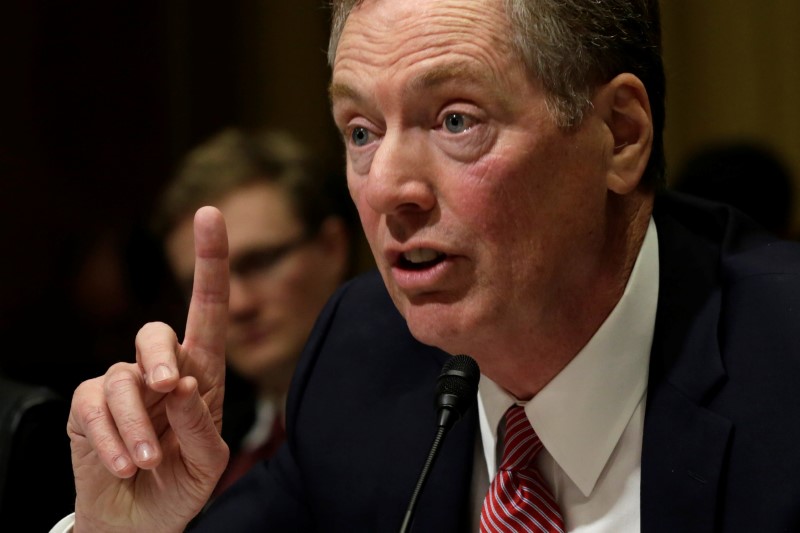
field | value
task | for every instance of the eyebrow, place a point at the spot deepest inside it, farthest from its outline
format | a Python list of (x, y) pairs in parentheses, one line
[(464, 73), (434, 77), (342, 91), (442, 74)]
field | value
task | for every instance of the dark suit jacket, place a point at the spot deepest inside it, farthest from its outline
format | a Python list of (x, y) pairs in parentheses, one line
[(721, 445)]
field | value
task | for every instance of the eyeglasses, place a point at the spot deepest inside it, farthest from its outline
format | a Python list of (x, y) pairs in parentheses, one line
[(258, 261)]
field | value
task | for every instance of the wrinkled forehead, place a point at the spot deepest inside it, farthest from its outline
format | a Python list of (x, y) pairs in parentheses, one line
[(397, 28), (367, 20)]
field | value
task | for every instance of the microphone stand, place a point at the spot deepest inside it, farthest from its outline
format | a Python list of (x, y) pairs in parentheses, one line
[(423, 477)]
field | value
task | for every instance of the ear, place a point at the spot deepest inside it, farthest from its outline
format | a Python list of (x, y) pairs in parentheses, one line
[(335, 242), (625, 109)]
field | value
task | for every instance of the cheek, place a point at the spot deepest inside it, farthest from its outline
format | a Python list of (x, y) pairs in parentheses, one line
[(369, 218), (496, 200), (513, 215), (308, 287), (355, 186)]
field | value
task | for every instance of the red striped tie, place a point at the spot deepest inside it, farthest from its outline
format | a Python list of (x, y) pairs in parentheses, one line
[(518, 499)]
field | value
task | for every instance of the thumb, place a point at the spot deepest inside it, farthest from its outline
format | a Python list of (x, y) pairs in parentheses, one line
[(204, 453)]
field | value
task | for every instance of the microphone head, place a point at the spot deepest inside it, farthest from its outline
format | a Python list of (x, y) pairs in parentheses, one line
[(456, 388)]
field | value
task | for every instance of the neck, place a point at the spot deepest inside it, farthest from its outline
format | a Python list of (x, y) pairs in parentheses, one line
[(274, 381), (529, 361), (271, 392)]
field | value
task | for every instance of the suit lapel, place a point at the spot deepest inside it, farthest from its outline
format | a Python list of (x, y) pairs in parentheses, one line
[(684, 446)]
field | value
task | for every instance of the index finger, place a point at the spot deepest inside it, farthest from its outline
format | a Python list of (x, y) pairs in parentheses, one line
[(208, 309)]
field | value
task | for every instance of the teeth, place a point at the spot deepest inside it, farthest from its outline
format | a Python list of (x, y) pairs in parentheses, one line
[(420, 255)]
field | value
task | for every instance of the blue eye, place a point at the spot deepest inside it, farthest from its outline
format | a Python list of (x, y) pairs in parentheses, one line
[(359, 136), (456, 123)]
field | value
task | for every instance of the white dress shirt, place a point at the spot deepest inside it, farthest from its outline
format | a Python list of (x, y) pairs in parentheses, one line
[(590, 417), (267, 410)]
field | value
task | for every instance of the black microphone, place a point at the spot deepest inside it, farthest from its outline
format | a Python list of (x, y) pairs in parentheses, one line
[(456, 390)]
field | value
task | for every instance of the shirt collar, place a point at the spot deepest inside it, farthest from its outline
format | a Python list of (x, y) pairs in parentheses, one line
[(581, 414)]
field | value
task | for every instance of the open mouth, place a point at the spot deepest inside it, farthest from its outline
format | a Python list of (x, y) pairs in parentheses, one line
[(420, 259)]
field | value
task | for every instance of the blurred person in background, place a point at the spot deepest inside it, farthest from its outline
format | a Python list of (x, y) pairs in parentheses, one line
[(746, 175), (292, 234)]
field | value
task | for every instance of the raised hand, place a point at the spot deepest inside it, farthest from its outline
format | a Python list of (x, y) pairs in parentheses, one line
[(145, 437)]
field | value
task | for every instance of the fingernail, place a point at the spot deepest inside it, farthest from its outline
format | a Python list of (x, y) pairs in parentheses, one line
[(120, 463), (143, 452), (161, 373)]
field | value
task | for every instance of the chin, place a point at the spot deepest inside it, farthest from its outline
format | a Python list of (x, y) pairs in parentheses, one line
[(450, 321), (253, 362), (444, 329)]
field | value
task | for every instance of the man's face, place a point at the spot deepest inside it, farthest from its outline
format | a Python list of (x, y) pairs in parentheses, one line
[(486, 220), (280, 279)]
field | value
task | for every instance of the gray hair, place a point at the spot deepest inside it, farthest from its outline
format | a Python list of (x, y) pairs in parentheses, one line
[(572, 47)]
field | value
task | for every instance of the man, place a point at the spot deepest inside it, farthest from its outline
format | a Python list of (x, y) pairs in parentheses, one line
[(503, 157)]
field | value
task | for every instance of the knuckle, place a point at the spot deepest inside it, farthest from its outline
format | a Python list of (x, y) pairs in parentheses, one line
[(193, 419), (94, 416), (150, 327), (121, 383), (156, 332), (85, 389), (156, 339), (84, 407), (210, 295), (93, 423)]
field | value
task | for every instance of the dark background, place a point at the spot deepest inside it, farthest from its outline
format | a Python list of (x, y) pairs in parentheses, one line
[(98, 100)]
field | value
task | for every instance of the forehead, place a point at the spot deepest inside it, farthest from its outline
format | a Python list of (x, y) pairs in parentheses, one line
[(258, 210), (257, 213), (443, 37)]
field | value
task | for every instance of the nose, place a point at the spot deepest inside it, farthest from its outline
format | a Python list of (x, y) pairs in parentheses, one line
[(401, 176), (241, 301)]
